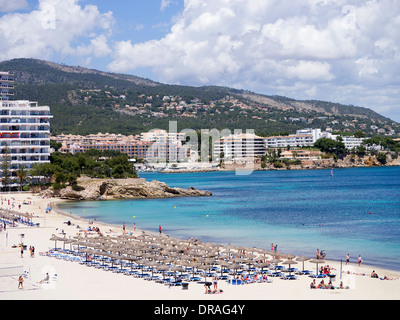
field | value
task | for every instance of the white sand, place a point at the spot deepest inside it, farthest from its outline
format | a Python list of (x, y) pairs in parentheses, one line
[(75, 281)]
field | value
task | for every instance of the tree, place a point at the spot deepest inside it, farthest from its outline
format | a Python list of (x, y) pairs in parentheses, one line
[(22, 173), (5, 166), (55, 145), (385, 142), (381, 157), (330, 146), (46, 170)]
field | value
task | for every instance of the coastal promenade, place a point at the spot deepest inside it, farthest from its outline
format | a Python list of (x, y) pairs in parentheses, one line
[(69, 279)]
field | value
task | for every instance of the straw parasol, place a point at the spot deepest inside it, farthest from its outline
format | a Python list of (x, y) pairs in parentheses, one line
[(289, 262), (205, 267), (163, 268), (175, 269), (235, 267), (262, 265), (302, 258), (317, 261), (55, 238), (275, 261)]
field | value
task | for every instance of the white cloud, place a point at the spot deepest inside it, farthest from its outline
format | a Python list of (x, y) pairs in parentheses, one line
[(57, 27), (165, 4), (263, 45)]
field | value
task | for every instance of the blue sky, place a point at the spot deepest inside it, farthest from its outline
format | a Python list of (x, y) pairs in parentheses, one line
[(345, 51)]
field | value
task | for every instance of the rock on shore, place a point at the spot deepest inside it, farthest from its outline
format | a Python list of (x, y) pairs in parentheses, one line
[(102, 189)]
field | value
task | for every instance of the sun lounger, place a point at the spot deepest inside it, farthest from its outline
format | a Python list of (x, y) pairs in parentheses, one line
[(235, 281), (306, 272), (289, 277), (194, 279), (317, 276)]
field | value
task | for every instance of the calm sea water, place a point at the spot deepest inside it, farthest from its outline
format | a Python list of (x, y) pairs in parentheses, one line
[(357, 211)]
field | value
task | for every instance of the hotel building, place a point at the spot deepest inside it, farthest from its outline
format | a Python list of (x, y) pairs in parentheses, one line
[(153, 146), (6, 86), (24, 130), (129, 145), (238, 147), (307, 137)]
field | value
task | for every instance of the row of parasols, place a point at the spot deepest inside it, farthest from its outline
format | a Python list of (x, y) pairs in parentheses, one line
[(164, 253), (11, 216)]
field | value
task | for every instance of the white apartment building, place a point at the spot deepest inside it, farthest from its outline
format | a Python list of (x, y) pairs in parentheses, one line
[(25, 131), (6, 86), (239, 146), (292, 141), (307, 137), (166, 147), (351, 142)]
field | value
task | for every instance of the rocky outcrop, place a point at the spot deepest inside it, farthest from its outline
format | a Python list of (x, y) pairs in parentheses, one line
[(95, 189)]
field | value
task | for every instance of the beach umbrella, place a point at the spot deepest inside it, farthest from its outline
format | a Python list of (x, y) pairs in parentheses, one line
[(150, 264), (223, 265), (235, 267), (289, 262), (175, 269), (205, 267), (144, 263), (131, 259), (262, 265), (275, 261), (193, 265), (55, 239), (302, 258), (317, 261)]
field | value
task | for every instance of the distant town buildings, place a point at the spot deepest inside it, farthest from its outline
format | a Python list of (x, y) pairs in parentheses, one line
[(161, 146), (308, 137), (152, 146)]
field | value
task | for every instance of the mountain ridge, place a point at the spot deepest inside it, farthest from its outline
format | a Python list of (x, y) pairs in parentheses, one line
[(56, 84)]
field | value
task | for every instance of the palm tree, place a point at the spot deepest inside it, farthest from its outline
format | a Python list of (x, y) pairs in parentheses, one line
[(21, 175), (5, 166)]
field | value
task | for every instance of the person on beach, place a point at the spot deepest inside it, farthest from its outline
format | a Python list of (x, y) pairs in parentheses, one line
[(207, 286), (359, 261), (215, 283), (22, 250), (159, 229), (347, 259), (272, 248), (374, 274), (123, 228), (330, 285), (46, 278), (20, 282)]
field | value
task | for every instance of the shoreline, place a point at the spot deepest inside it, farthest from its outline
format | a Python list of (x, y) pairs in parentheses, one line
[(111, 225), (292, 168), (77, 281)]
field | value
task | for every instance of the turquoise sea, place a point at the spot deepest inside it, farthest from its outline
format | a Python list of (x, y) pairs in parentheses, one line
[(357, 211)]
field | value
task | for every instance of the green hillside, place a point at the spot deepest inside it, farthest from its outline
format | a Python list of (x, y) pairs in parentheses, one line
[(86, 101)]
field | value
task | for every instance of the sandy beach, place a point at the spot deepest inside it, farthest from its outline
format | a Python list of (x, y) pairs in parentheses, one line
[(70, 280)]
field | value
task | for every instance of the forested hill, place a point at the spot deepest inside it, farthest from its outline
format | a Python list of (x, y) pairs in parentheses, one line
[(86, 101)]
